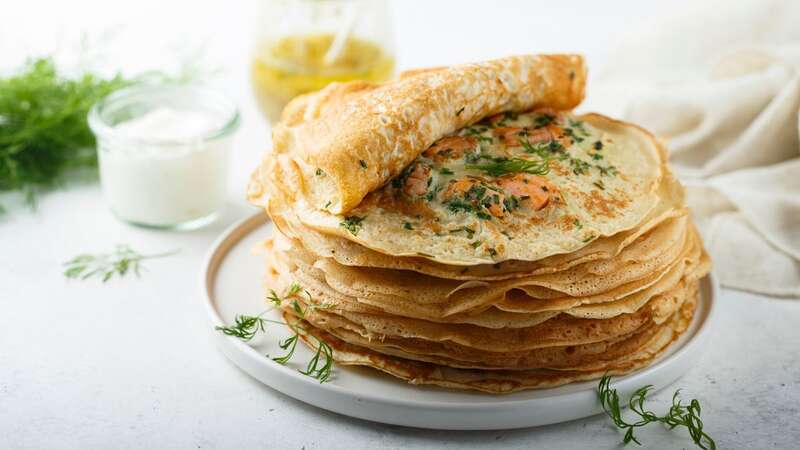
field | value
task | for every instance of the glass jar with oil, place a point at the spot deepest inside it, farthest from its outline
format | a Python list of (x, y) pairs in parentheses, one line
[(302, 45)]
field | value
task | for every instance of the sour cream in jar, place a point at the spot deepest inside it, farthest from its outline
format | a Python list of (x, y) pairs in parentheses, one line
[(163, 154)]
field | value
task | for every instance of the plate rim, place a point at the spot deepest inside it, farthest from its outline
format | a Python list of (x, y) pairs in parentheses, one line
[(238, 230)]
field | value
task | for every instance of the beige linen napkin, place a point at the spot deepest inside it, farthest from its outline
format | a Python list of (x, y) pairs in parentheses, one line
[(720, 84)]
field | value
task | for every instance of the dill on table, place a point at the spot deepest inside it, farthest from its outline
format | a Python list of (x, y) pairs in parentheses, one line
[(320, 366), (43, 127), (121, 261), (678, 415)]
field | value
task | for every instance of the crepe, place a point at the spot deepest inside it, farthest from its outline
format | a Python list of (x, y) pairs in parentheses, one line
[(670, 204), (494, 381), (563, 357), (323, 137), (461, 227), (480, 197), (406, 293)]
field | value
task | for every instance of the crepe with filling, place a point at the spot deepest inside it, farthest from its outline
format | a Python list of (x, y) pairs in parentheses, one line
[(332, 147), (512, 187)]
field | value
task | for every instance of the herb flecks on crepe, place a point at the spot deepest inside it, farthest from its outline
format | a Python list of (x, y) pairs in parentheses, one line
[(509, 187)]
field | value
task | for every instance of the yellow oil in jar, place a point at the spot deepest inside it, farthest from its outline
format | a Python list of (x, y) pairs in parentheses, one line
[(295, 65)]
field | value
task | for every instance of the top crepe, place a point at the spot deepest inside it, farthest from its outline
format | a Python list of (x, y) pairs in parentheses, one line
[(359, 135), (507, 186)]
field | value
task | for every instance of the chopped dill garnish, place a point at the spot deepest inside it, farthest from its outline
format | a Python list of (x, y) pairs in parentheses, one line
[(579, 166), (571, 133), (458, 205), (352, 224), (578, 125), (544, 120), (475, 244), (544, 150), (678, 415), (476, 133), (362, 163), (408, 226), (319, 171), (458, 113), (432, 193), (600, 185), (121, 261), (446, 171), (607, 170), (507, 116), (577, 224), (470, 232)]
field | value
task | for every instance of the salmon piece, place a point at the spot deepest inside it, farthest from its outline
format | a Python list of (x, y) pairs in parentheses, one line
[(512, 135), (459, 188), (451, 147), (533, 190), (417, 181)]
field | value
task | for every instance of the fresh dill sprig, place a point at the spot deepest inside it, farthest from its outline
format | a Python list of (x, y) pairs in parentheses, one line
[(320, 366), (501, 166), (121, 261), (244, 327), (678, 415)]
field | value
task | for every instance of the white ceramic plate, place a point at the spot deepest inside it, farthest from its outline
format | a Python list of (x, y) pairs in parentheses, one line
[(232, 284)]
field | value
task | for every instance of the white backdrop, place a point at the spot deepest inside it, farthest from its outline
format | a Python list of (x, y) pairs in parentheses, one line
[(129, 364)]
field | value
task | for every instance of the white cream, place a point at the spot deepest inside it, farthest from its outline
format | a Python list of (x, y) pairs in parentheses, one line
[(159, 170)]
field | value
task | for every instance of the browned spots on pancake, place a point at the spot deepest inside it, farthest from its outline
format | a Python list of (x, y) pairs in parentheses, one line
[(567, 222), (559, 169), (598, 204)]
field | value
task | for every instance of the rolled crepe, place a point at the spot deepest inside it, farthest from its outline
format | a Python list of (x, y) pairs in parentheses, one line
[(332, 147)]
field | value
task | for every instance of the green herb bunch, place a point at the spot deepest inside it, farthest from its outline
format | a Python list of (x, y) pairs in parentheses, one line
[(43, 127)]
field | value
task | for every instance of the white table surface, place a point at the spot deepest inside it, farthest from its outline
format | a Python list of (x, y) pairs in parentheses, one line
[(129, 364)]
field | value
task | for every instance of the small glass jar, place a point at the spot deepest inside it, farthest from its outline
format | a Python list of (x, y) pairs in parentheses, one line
[(163, 154), (302, 45)]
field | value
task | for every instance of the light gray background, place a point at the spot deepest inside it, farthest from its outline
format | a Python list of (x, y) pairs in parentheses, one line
[(130, 364)]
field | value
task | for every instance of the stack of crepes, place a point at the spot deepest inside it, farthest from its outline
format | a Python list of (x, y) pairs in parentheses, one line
[(461, 227)]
